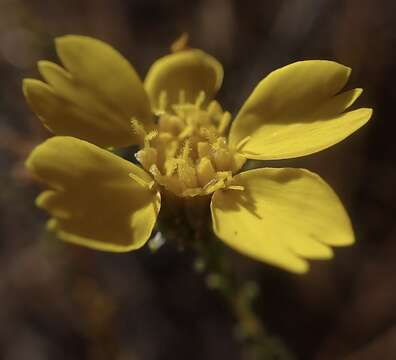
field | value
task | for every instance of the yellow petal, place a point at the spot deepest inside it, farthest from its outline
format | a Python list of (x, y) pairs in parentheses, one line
[(188, 72), (297, 110), (93, 98), (94, 201), (282, 217)]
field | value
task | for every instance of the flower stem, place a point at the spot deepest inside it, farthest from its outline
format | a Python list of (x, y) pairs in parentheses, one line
[(240, 296), (187, 223)]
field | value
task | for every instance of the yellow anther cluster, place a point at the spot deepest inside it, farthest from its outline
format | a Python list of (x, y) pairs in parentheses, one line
[(188, 154)]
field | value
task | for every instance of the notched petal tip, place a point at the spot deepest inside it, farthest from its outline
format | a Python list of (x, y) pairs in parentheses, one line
[(358, 91), (25, 85), (29, 84), (302, 268), (51, 71), (296, 111), (92, 201), (283, 217), (29, 162), (312, 249), (368, 113), (92, 97)]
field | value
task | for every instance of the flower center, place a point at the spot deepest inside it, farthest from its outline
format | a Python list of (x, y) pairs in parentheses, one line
[(187, 153)]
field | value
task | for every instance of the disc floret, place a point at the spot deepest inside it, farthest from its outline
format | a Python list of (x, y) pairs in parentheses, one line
[(188, 153)]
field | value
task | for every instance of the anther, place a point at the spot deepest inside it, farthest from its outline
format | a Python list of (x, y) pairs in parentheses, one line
[(139, 130), (138, 127), (151, 135), (188, 153)]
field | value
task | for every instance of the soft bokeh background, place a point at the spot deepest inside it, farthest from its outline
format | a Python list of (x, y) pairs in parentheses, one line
[(62, 302)]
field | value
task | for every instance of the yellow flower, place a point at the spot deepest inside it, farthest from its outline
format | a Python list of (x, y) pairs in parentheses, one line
[(282, 216)]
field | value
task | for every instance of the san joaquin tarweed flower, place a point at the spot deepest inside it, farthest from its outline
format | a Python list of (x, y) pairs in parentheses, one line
[(281, 216)]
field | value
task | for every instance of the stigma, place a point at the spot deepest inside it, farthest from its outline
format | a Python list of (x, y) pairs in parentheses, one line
[(187, 152)]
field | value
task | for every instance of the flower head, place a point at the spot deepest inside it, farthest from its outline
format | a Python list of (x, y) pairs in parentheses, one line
[(282, 216)]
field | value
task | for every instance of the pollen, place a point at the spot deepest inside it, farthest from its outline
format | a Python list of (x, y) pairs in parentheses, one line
[(188, 154)]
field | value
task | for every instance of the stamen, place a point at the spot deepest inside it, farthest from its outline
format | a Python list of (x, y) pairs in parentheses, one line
[(171, 149), (188, 131), (138, 128), (204, 149), (200, 99), (188, 153), (151, 135), (205, 171), (147, 156), (187, 174), (222, 159), (208, 134), (154, 170), (170, 166), (186, 150), (162, 102), (224, 122), (141, 131)]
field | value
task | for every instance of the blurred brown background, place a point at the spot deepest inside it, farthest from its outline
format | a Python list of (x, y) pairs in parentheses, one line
[(62, 302)]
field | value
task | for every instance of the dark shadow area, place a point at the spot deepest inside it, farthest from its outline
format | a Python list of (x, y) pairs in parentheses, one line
[(63, 302)]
